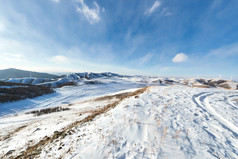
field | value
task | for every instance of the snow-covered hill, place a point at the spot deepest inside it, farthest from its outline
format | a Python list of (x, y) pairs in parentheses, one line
[(166, 121), (59, 82), (83, 78), (210, 83)]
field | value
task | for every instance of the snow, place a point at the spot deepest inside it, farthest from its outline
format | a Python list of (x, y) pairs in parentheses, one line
[(15, 80), (16, 86), (70, 94), (29, 80), (166, 121), (60, 81)]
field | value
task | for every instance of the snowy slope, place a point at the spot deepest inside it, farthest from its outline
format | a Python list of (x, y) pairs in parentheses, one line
[(172, 121), (58, 82), (166, 122), (70, 94)]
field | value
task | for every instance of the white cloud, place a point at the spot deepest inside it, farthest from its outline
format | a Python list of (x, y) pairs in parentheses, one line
[(57, 1), (92, 14), (59, 59), (153, 8), (181, 57)]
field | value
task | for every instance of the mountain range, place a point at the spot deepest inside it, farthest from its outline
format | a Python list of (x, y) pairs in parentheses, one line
[(16, 73)]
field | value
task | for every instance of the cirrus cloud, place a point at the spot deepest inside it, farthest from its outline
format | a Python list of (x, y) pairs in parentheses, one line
[(92, 14), (56, 1), (153, 8), (180, 57), (225, 50)]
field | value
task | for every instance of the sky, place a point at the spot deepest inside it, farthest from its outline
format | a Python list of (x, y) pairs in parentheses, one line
[(146, 37)]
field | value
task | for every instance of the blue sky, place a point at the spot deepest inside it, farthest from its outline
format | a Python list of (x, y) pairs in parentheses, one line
[(150, 37)]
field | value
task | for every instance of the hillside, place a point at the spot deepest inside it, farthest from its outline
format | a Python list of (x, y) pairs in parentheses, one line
[(15, 91), (16, 73), (160, 121)]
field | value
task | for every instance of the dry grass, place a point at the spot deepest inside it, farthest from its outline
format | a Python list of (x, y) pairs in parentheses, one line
[(224, 85), (215, 83), (18, 93), (117, 96), (201, 86), (47, 111), (35, 150), (176, 134), (164, 134), (12, 133), (67, 84)]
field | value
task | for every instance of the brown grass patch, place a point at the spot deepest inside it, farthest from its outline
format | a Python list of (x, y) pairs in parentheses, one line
[(215, 83), (35, 150), (176, 134), (22, 92), (67, 84), (236, 99), (201, 86), (224, 85), (47, 111), (164, 134), (117, 96), (12, 133)]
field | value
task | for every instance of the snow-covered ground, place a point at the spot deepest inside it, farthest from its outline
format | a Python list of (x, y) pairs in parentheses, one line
[(166, 121), (69, 94)]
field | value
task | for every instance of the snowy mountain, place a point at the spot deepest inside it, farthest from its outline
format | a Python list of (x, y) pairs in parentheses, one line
[(65, 80), (83, 77), (16, 73)]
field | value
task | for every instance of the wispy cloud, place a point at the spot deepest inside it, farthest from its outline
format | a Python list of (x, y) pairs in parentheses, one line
[(92, 14), (57, 1), (180, 57), (165, 12), (215, 4), (225, 51), (2, 27), (12, 57), (153, 8), (145, 59)]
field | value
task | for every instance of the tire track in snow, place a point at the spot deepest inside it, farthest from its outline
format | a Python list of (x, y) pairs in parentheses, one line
[(201, 100), (232, 100)]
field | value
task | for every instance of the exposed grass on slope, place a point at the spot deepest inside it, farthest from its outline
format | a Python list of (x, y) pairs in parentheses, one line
[(16, 91), (35, 150), (47, 111), (12, 133)]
